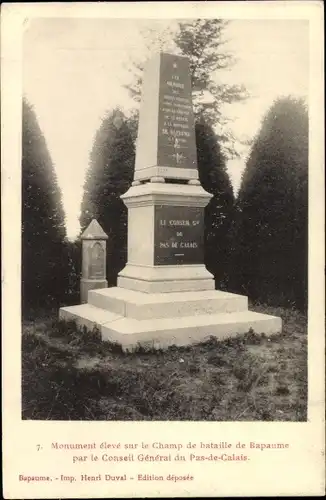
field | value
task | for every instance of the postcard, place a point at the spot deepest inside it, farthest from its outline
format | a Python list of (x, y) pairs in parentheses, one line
[(163, 249)]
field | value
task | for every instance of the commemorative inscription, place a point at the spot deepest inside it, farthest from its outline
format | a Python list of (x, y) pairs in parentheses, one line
[(176, 134), (96, 261), (178, 235)]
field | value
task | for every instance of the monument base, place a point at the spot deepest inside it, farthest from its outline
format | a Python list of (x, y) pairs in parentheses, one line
[(132, 318), (166, 173), (157, 279)]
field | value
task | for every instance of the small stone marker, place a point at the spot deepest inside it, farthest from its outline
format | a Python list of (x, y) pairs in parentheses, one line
[(93, 260)]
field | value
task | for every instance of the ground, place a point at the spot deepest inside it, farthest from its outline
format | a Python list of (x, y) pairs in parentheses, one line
[(71, 375)]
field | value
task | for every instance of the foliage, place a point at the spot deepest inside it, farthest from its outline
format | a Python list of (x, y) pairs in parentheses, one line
[(109, 175), (203, 42), (219, 212), (272, 227), (43, 228), (156, 40), (68, 374), (73, 251)]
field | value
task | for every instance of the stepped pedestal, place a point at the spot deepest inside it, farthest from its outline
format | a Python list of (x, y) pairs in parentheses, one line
[(162, 319)]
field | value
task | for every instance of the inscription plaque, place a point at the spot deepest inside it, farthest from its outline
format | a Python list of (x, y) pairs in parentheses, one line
[(178, 236), (176, 128), (96, 261)]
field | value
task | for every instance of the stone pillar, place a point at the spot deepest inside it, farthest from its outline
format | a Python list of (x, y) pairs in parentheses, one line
[(93, 260)]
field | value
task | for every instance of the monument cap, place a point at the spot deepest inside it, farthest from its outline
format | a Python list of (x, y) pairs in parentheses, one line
[(94, 232)]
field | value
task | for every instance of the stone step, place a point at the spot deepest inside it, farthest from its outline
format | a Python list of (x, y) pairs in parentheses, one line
[(141, 306), (87, 315), (163, 332), (187, 330)]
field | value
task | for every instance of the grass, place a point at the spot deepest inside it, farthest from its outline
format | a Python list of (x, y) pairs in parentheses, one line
[(69, 374)]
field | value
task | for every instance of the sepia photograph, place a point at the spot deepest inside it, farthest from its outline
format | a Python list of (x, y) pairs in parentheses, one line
[(162, 249), (164, 219)]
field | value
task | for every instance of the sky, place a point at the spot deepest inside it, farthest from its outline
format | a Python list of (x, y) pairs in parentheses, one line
[(74, 71)]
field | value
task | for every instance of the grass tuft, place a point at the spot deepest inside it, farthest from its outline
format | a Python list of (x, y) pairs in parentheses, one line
[(68, 373)]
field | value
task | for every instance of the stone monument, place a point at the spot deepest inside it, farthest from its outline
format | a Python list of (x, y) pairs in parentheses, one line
[(93, 260), (165, 295)]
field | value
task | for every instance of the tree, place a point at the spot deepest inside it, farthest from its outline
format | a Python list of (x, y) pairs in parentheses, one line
[(109, 175), (43, 227), (156, 39), (203, 42), (219, 212), (272, 230)]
